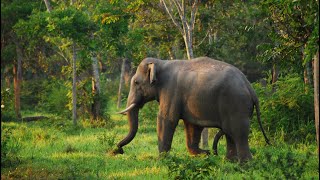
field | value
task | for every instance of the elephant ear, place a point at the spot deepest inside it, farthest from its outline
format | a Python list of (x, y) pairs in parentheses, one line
[(152, 73)]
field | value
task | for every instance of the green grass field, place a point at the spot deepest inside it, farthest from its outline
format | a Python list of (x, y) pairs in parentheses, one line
[(54, 149)]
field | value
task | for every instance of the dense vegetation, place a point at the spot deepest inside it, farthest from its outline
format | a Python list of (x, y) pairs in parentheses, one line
[(54, 52)]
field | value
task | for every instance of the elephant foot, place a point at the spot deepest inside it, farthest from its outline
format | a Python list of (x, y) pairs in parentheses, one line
[(199, 152), (116, 151), (232, 158), (245, 157), (232, 155)]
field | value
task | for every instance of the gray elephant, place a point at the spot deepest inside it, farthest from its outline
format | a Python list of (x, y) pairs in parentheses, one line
[(203, 92)]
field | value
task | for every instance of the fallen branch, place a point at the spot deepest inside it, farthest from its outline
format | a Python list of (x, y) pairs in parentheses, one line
[(33, 118)]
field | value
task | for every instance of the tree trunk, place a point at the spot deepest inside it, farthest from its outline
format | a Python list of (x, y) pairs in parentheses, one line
[(171, 54), (121, 82), (307, 74), (74, 84), (7, 78), (48, 5), (95, 89), (17, 73), (127, 73), (188, 45), (275, 75), (316, 95), (204, 135)]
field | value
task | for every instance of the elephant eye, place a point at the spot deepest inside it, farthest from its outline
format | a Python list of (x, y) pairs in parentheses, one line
[(135, 82)]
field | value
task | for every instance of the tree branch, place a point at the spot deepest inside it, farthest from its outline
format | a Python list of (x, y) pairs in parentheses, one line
[(171, 16), (194, 13)]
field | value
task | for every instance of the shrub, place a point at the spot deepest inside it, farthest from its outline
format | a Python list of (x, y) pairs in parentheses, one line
[(288, 109), (284, 164), (191, 168), (45, 95), (108, 140), (10, 146), (55, 100)]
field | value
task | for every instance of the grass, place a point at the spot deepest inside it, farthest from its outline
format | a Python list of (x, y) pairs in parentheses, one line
[(54, 149)]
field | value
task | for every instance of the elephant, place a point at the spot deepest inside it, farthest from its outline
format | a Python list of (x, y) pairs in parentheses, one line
[(202, 92)]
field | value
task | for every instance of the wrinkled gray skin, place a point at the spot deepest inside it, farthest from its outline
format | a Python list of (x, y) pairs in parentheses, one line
[(203, 93)]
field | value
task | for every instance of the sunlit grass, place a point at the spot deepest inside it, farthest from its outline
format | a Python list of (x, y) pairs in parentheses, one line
[(145, 173)]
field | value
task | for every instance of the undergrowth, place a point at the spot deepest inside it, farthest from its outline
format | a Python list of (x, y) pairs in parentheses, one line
[(283, 163)]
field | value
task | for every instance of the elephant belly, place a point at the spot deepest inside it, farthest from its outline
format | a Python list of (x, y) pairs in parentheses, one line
[(206, 116), (217, 109)]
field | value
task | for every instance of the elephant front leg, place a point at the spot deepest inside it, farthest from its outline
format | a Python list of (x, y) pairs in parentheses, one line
[(165, 130), (193, 135)]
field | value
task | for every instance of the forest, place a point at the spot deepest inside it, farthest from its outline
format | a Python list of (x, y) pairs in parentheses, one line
[(66, 69)]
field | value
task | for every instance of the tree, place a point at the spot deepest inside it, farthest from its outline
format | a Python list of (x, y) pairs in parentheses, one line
[(12, 46), (74, 72), (296, 25), (17, 72), (95, 88), (74, 84), (293, 24), (121, 83), (316, 94), (67, 29), (186, 24)]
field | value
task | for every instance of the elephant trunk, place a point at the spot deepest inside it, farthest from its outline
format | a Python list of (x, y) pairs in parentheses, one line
[(133, 123)]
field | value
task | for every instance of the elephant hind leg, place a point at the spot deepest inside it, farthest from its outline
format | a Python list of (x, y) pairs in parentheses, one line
[(240, 135), (231, 149), (243, 150), (193, 135)]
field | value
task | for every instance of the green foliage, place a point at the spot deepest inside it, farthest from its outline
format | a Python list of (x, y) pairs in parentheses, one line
[(149, 112), (191, 168), (282, 163), (231, 32), (70, 23), (10, 146), (55, 101), (288, 109), (108, 140), (7, 105), (295, 30), (47, 96), (286, 164)]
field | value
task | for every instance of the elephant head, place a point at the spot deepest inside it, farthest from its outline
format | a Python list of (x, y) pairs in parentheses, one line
[(143, 89)]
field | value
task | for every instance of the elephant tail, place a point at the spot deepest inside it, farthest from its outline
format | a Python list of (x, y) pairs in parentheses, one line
[(216, 140), (256, 103)]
